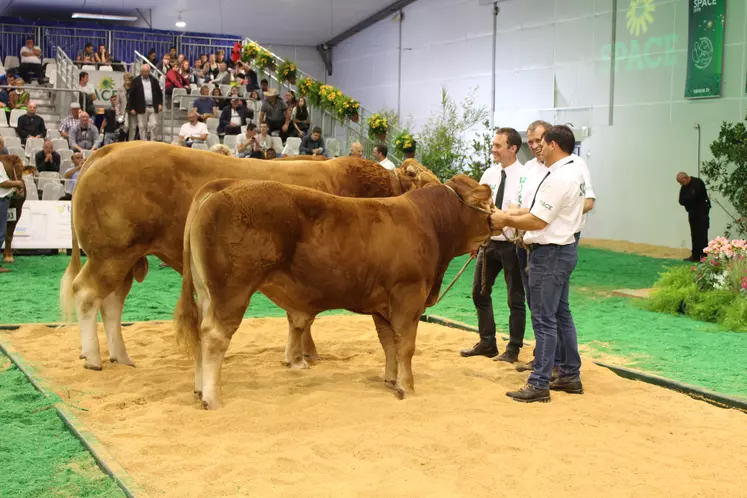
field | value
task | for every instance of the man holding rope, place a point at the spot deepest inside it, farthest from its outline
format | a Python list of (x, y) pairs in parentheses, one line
[(500, 254), (554, 219)]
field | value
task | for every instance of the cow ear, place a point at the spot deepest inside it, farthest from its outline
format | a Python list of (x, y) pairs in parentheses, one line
[(410, 170), (482, 193)]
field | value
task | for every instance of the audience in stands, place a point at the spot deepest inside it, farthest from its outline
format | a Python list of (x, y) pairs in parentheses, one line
[(264, 138), (109, 125), (223, 77), (235, 93), (290, 99), (271, 153), (7, 78), (165, 63), (247, 143), (84, 136), (233, 117), (102, 56), (87, 94), (380, 152), (3, 148), (204, 106), (145, 102), (254, 95), (47, 159), (193, 131), (211, 69), (72, 174), (123, 96), (4, 100), (356, 149), (30, 125), (221, 103), (313, 144), (152, 57), (275, 113), (264, 85), (86, 55), (18, 98), (175, 78), (30, 61), (301, 118), (70, 121)]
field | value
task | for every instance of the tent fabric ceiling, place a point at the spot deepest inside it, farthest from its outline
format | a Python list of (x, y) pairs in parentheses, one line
[(292, 22)]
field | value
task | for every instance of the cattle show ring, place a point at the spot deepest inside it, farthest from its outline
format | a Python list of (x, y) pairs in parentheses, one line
[(302, 336)]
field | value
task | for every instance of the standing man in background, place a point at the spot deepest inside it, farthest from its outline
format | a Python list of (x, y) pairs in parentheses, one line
[(694, 197), (145, 102), (500, 254)]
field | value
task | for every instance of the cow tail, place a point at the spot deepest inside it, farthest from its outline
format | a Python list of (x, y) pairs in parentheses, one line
[(186, 314), (67, 296)]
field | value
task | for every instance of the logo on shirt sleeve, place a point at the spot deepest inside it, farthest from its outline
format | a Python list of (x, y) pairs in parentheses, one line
[(582, 189), (545, 205)]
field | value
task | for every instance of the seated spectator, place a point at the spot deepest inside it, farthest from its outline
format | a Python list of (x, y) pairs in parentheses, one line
[(197, 74), (109, 125), (4, 98), (152, 57), (235, 93), (30, 61), (102, 56), (221, 149), (72, 174), (7, 188), (70, 121), (380, 152), (84, 136), (193, 131), (221, 103), (211, 68), (233, 118), (18, 98), (263, 86), (270, 154), (264, 138), (175, 79), (30, 125), (47, 159), (165, 63), (87, 94), (290, 99), (275, 113), (301, 118), (205, 107), (247, 143), (3, 148), (223, 77), (313, 144), (172, 53), (203, 59), (254, 95), (86, 55), (7, 78), (356, 149)]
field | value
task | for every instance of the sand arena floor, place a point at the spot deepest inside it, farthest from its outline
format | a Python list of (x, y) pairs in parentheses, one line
[(335, 430)]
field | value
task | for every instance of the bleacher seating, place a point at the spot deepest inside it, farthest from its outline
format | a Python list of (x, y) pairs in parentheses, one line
[(47, 178), (11, 61), (31, 193), (52, 191), (333, 147), (32, 145), (230, 141), (292, 146), (14, 142), (212, 125), (8, 132), (14, 115), (277, 144), (200, 146), (65, 154), (4, 120)]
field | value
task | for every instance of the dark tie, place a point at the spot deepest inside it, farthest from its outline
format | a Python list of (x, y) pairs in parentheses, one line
[(501, 189), (538, 189)]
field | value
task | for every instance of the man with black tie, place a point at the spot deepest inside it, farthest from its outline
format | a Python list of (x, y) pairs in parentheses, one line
[(694, 197), (500, 254)]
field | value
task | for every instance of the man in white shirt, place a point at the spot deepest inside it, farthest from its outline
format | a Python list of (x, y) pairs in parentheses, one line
[(500, 254), (193, 131), (87, 94), (380, 152), (555, 216), (30, 61)]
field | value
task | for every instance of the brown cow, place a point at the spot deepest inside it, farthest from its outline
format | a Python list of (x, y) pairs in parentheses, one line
[(308, 252), (132, 200), (302, 158), (15, 171)]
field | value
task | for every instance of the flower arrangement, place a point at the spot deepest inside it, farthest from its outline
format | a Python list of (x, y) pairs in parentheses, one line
[(264, 59), (347, 107), (250, 51), (713, 289), (328, 97), (287, 72), (405, 142), (378, 127)]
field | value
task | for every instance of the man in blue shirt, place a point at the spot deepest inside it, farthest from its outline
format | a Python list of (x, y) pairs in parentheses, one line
[(204, 106)]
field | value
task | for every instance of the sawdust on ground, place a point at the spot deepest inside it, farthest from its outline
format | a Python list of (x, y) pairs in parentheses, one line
[(635, 248)]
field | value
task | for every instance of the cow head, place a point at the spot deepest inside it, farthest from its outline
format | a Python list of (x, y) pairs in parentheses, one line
[(413, 175), (477, 201), (15, 170)]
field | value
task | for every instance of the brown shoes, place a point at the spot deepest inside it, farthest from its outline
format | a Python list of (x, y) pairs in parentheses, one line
[(571, 385), (480, 349), (508, 357), (530, 394)]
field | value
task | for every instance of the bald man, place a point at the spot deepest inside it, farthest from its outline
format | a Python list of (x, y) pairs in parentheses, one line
[(694, 197)]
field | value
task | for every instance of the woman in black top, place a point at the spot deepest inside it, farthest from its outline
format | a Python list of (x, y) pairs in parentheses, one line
[(301, 117)]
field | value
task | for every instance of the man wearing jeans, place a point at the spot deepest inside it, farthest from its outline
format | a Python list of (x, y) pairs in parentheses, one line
[(146, 102), (500, 255), (555, 216)]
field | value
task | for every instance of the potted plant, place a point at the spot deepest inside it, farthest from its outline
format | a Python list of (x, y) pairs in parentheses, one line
[(287, 72), (405, 142), (309, 88), (378, 127), (328, 97), (249, 51), (264, 59), (347, 108)]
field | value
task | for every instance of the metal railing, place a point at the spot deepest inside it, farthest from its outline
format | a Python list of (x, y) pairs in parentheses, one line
[(193, 46), (73, 40)]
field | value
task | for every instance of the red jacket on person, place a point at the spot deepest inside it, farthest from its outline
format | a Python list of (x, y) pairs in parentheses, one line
[(174, 79)]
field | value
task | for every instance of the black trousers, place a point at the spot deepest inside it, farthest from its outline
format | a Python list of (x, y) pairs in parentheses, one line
[(26, 69), (699, 224), (278, 126), (497, 256)]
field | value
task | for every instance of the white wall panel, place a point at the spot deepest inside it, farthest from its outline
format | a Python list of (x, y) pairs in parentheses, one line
[(573, 40)]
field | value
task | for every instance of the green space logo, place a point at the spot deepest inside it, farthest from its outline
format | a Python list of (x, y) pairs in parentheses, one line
[(105, 88), (640, 16)]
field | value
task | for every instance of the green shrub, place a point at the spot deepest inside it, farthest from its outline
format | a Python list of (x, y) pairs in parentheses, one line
[(709, 306), (674, 288), (735, 316)]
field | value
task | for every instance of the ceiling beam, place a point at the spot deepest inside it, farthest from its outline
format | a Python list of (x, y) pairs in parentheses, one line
[(372, 19)]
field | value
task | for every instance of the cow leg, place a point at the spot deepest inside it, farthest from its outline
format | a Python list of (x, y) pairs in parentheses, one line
[(386, 338), (111, 315), (405, 325), (214, 340), (87, 308), (299, 324), (307, 344), (8, 252)]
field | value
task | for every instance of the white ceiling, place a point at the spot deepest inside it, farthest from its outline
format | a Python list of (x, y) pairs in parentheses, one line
[(290, 22)]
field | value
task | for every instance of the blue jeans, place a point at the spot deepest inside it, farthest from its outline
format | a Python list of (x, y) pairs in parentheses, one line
[(4, 203), (550, 269)]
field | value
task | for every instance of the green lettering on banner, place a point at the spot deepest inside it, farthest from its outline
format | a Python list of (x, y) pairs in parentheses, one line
[(705, 48), (658, 51)]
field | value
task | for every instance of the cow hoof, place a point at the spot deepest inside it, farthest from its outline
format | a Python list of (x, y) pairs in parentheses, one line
[(90, 366), (127, 362), (210, 405), (399, 392), (82, 356), (198, 394), (390, 384), (299, 365), (313, 357), (9, 260)]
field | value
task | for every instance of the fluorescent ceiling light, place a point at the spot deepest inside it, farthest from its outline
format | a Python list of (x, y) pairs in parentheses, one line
[(181, 24), (103, 17)]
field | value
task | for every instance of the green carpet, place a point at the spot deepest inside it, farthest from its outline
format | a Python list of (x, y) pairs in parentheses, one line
[(38, 456), (675, 347)]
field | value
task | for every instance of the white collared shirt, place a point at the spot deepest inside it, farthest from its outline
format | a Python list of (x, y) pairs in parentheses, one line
[(560, 203), (587, 178), (147, 92), (492, 178), (4, 192), (387, 164), (530, 176)]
